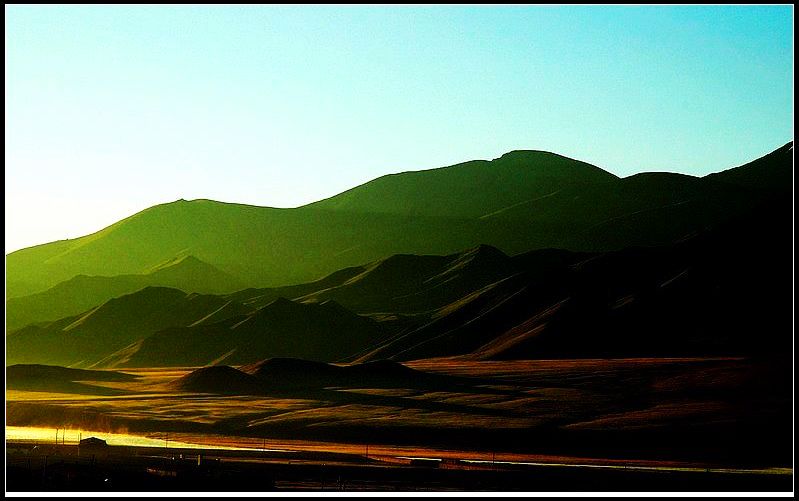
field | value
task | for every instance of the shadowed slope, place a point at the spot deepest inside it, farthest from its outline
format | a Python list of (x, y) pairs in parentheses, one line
[(408, 284), (770, 173), (292, 372), (520, 201), (480, 302), (219, 379), (283, 328), (399, 283), (86, 338), (648, 209), (286, 369), (261, 297), (55, 379), (82, 292), (670, 300), (19, 372), (674, 300), (279, 374)]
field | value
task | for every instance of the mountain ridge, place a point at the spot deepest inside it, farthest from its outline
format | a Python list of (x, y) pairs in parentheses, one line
[(671, 300), (437, 211), (81, 292)]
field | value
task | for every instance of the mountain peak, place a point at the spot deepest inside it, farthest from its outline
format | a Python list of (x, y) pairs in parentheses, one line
[(217, 379), (186, 260), (285, 367), (192, 274), (485, 250), (514, 154), (552, 164), (523, 200), (281, 303)]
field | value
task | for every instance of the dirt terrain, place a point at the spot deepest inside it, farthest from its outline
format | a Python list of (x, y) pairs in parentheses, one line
[(695, 412)]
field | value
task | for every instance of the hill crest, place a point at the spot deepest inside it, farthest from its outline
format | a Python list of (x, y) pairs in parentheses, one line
[(538, 199)]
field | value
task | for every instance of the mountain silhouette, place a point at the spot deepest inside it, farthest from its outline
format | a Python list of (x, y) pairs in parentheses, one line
[(283, 328), (280, 375), (219, 379), (82, 340), (770, 173), (706, 276), (82, 292), (403, 283), (470, 189), (521, 201), (721, 292)]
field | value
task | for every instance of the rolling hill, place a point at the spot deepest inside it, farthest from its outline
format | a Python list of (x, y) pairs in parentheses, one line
[(707, 274), (219, 379), (722, 292), (671, 300), (278, 375), (84, 339), (471, 189), (770, 173), (82, 292), (324, 332), (521, 201), (402, 283)]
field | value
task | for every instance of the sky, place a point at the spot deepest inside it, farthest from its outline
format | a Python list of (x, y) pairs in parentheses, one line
[(110, 110)]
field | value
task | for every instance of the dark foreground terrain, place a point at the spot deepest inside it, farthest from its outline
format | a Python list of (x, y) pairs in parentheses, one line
[(437, 424), (123, 469)]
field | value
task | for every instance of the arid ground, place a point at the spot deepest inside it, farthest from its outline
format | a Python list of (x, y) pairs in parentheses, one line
[(722, 414)]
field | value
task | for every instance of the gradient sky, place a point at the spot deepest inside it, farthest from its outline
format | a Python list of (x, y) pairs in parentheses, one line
[(111, 110)]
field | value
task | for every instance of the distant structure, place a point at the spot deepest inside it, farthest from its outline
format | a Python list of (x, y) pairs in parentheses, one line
[(93, 446), (93, 442)]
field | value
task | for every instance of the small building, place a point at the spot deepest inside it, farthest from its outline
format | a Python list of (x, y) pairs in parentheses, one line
[(93, 446), (93, 442)]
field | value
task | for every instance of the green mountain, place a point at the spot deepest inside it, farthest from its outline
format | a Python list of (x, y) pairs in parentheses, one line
[(414, 284), (134, 329), (724, 291), (521, 201), (324, 332), (469, 190), (402, 283), (155, 325), (82, 292), (83, 340), (665, 264)]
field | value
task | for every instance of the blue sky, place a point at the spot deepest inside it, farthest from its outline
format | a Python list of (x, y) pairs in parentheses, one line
[(111, 110)]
